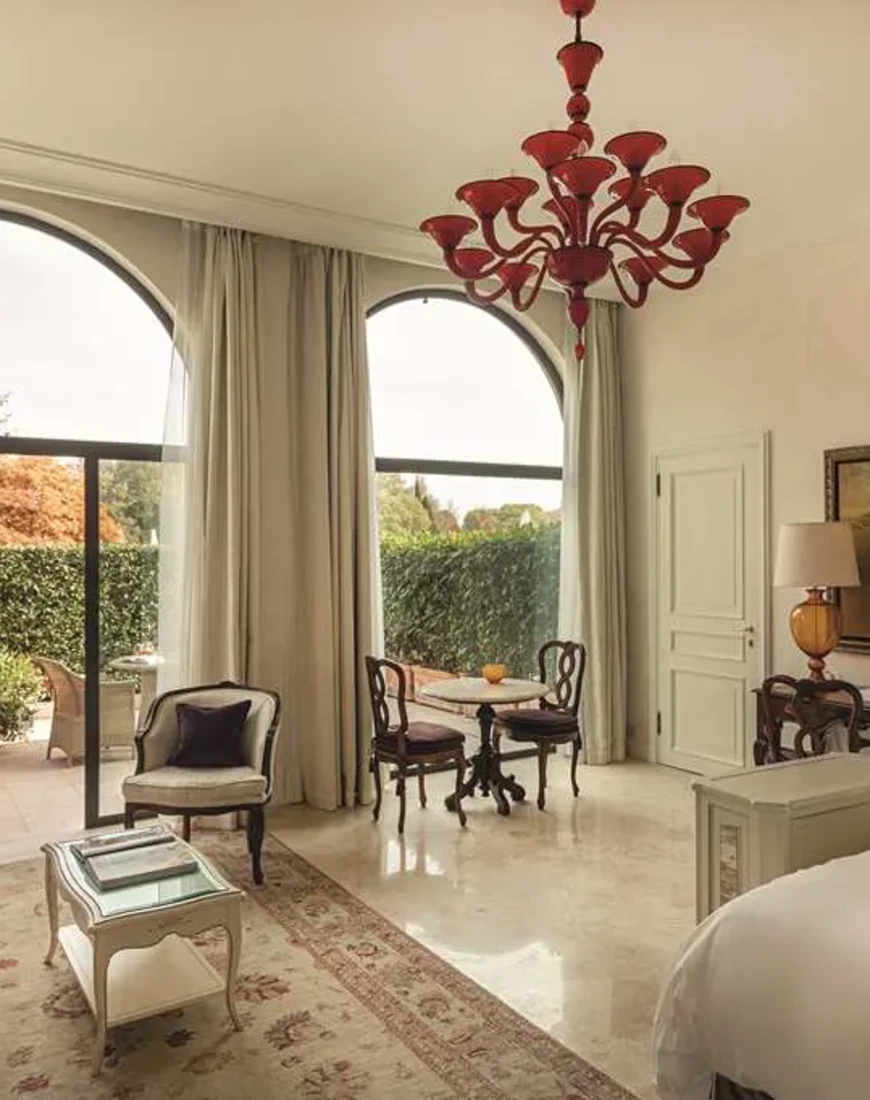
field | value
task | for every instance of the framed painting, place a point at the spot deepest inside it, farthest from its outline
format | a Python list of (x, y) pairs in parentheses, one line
[(847, 497)]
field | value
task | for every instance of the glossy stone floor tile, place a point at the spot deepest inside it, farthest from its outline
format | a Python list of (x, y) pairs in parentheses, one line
[(571, 916)]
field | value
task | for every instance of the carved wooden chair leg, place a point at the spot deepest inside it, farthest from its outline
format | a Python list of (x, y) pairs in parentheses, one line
[(460, 779), (185, 827), (575, 756), (542, 773), (421, 783), (256, 830), (376, 772), (400, 791)]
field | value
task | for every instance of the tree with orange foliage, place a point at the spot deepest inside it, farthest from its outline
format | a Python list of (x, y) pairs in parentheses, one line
[(42, 501)]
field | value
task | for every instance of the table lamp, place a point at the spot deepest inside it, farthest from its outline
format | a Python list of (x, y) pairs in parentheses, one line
[(816, 556)]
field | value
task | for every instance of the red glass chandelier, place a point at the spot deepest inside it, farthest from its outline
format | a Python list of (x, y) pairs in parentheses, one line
[(573, 247)]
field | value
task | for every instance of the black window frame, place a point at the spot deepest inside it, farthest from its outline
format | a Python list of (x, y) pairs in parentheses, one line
[(92, 452)]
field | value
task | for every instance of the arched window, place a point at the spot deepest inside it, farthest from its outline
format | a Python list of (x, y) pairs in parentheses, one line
[(468, 444), (83, 353), (85, 358)]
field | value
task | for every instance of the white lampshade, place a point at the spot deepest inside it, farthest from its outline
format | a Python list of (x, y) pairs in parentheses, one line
[(816, 555)]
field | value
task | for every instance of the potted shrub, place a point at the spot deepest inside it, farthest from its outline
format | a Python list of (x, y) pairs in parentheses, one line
[(20, 685)]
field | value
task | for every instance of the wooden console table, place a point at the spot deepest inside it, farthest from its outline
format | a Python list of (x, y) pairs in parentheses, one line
[(766, 753)]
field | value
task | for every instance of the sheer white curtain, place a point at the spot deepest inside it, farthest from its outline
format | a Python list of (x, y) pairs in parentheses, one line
[(592, 583), (267, 558)]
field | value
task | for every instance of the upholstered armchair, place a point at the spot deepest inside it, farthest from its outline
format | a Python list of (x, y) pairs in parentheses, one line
[(117, 715), (161, 787)]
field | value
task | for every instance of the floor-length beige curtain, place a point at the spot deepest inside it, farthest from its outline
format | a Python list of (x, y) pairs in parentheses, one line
[(319, 481), (211, 508), (268, 499), (592, 583)]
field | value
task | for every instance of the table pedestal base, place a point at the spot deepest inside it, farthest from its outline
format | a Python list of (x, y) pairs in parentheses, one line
[(486, 772)]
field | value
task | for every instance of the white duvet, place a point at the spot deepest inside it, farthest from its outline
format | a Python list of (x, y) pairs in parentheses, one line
[(773, 991)]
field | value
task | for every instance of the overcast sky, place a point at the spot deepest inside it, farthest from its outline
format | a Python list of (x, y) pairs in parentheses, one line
[(81, 356)]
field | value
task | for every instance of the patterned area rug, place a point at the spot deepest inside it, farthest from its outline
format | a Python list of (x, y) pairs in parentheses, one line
[(337, 1004)]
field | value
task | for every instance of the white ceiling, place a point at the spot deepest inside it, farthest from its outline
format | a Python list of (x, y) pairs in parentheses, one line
[(347, 122)]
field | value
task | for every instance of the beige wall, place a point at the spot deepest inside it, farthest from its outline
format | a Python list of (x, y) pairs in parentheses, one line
[(781, 345), (147, 245)]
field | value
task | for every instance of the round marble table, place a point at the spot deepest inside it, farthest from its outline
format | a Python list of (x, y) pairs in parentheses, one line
[(486, 770), (145, 667)]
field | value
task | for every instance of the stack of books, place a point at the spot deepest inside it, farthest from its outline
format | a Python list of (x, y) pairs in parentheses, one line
[(133, 857)]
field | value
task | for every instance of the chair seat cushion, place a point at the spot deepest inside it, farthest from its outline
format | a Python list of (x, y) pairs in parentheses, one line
[(533, 725), (425, 737), (183, 788)]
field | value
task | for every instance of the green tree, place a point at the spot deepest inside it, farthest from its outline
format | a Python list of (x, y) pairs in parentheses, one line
[(508, 517), (442, 520), (400, 512), (131, 491)]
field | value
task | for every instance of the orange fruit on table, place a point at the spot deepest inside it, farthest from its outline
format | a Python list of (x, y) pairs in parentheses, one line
[(494, 674)]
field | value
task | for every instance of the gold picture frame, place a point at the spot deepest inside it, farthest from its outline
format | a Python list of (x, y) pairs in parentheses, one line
[(847, 497)]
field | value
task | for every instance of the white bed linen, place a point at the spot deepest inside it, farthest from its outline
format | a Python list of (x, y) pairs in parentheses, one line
[(773, 991)]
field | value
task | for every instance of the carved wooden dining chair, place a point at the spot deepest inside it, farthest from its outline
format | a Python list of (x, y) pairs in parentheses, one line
[(555, 721), (408, 745), (827, 714)]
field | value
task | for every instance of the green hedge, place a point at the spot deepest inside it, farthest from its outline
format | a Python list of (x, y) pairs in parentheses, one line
[(459, 601), (450, 601), (42, 600)]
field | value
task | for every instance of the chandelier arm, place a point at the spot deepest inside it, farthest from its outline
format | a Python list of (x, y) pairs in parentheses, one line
[(483, 299), (492, 242), (570, 216), (640, 247), (617, 227), (625, 293), (675, 213), (696, 267), (599, 224), (522, 305), (540, 230), (460, 274)]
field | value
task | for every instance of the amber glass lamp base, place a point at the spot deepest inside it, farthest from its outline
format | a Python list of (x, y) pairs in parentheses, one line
[(815, 627)]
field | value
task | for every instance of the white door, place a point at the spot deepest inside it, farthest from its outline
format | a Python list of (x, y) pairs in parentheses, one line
[(711, 600)]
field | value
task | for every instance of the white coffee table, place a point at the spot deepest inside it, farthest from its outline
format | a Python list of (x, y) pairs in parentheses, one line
[(140, 931), (486, 770)]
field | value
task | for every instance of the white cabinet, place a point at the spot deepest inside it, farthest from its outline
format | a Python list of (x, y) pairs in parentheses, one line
[(753, 825)]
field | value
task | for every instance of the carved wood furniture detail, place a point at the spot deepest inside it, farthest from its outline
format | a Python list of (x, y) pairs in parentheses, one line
[(826, 712)]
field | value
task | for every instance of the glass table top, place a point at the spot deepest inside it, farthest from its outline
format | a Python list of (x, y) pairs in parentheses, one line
[(200, 882)]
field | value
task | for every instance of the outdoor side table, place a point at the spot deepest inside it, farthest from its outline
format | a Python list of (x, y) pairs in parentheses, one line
[(145, 668)]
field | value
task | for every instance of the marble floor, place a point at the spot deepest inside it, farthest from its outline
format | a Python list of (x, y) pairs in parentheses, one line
[(571, 916)]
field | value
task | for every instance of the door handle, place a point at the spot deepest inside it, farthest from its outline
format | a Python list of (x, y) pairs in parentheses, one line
[(747, 628)]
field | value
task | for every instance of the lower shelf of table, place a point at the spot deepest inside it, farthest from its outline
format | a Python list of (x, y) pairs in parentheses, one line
[(143, 981)]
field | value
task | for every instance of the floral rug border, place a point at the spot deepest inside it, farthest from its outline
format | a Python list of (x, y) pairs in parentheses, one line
[(506, 1021)]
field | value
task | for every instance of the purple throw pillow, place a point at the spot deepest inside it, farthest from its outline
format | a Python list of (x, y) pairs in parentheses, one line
[(210, 737)]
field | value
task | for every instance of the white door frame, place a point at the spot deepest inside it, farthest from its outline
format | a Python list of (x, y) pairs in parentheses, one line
[(760, 440)]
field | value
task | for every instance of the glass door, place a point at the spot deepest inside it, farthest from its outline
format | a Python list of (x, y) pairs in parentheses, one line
[(42, 645), (127, 523)]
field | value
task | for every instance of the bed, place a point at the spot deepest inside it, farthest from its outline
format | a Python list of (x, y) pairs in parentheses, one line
[(769, 998)]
